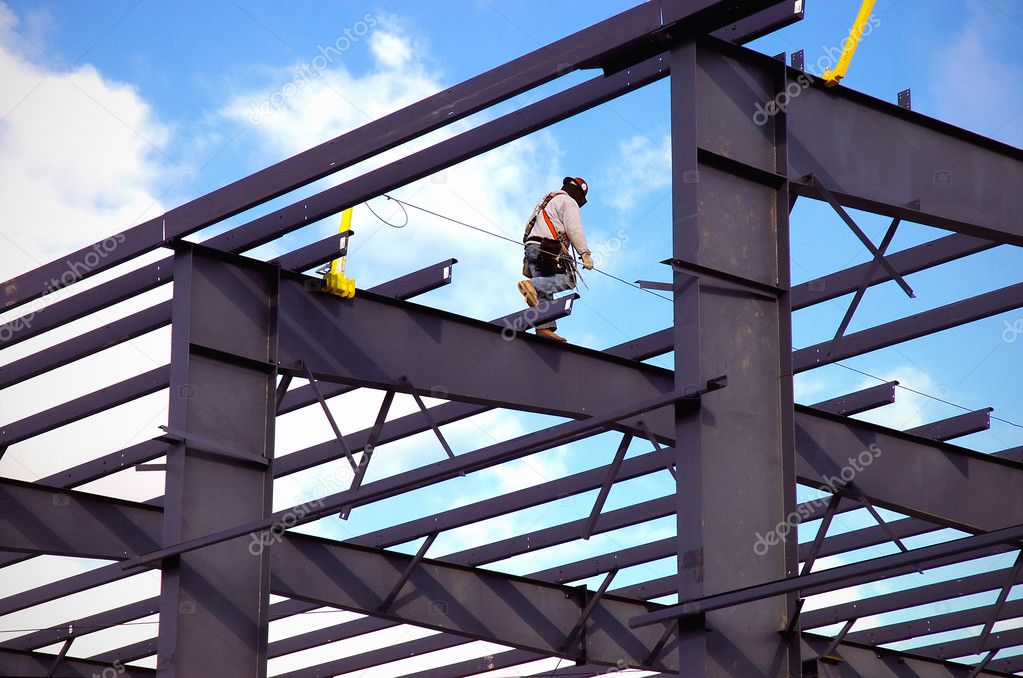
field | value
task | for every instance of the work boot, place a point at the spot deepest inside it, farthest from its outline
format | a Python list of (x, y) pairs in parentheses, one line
[(528, 292), (548, 333)]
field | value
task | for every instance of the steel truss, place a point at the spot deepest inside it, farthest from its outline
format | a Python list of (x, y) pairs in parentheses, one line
[(243, 329)]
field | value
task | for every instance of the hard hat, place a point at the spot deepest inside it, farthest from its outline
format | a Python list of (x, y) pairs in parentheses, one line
[(579, 183)]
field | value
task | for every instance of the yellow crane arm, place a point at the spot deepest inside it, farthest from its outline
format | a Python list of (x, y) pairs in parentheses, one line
[(833, 75)]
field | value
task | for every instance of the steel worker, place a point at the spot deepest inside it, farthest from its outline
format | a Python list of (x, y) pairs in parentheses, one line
[(551, 233)]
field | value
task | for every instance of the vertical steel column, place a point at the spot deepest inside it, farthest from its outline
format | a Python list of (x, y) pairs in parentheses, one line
[(213, 601), (734, 456)]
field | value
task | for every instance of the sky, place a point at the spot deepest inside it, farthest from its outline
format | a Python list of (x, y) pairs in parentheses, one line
[(112, 113)]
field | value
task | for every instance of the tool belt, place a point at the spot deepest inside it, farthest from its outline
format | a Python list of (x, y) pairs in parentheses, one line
[(550, 261)]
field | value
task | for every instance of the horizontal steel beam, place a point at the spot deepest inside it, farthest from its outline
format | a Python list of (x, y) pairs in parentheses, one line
[(84, 625), (921, 324), (475, 603), (867, 661), (418, 282), (41, 520), (98, 401), (834, 578), (427, 475), (379, 342), (111, 334), (897, 471), (911, 597), (19, 664), (937, 623), (955, 427), (860, 401), (966, 647), (911, 260), (551, 490)]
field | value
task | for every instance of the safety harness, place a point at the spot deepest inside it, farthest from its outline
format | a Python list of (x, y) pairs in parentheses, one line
[(554, 255)]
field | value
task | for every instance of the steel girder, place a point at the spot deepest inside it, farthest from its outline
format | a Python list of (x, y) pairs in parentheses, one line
[(898, 472), (31, 664)]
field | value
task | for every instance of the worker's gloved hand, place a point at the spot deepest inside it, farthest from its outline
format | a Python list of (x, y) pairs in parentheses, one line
[(587, 261)]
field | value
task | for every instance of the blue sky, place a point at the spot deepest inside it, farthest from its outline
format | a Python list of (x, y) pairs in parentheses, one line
[(114, 112)]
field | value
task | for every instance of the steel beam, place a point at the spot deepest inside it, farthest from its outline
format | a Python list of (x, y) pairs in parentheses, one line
[(921, 324), (733, 228), (523, 613), (938, 623), (213, 603), (920, 595), (41, 520), (876, 156), (374, 341), (282, 221), (860, 401), (84, 625), (98, 401), (19, 664), (955, 427), (512, 501), (897, 471), (865, 661), (911, 260), (86, 344), (836, 577), (423, 476), (966, 647), (418, 282)]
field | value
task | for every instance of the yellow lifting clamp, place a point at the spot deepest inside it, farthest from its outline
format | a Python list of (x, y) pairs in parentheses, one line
[(334, 280), (832, 76)]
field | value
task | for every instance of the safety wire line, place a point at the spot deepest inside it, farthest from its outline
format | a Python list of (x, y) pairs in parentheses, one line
[(511, 240), (404, 204)]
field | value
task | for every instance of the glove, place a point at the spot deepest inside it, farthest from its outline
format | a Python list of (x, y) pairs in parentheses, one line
[(587, 261)]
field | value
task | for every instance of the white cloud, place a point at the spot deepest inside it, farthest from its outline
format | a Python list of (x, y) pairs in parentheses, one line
[(495, 191), (972, 71), (909, 409), (643, 166), (390, 50), (81, 153)]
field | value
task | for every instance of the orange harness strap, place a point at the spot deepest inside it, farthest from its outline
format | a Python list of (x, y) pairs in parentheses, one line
[(543, 211)]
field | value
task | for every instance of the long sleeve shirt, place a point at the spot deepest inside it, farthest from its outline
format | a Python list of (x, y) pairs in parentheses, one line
[(564, 214)]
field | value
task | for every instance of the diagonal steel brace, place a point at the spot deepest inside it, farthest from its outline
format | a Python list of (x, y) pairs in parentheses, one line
[(429, 417), (861, 290), (822, 532), (827, 196), (413, 564), (581, 624), (605, 487), (330, 417), (1002, 596), (367, 450)]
